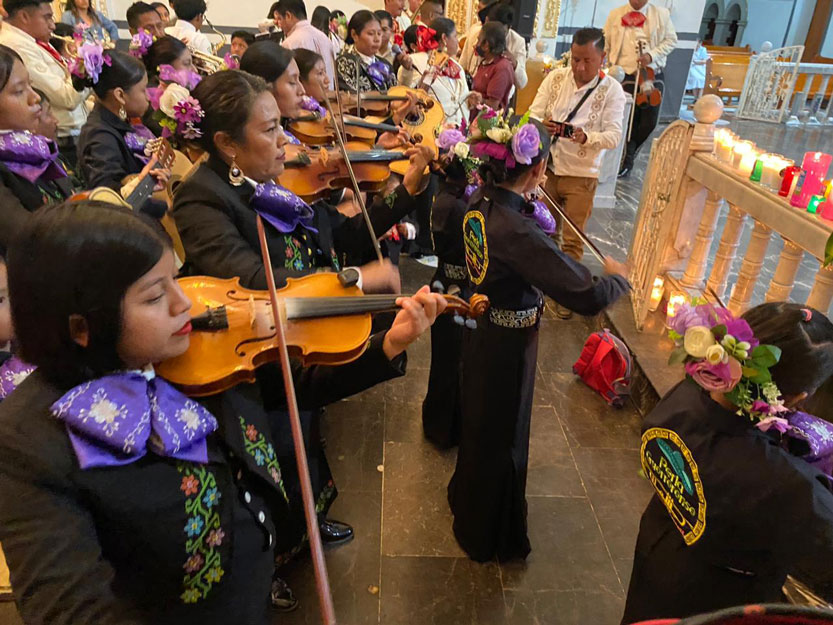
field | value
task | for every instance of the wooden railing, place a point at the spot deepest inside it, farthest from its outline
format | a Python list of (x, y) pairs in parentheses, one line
[(679, 214)]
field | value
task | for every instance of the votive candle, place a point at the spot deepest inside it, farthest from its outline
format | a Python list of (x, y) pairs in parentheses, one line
[(739, 150), (815, 166), (790, 181), (758, 170), (657, 292), (747, 162), (814, 203), (676, 300)]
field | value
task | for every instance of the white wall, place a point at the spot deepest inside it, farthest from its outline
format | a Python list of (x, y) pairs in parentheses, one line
[(768, 22)]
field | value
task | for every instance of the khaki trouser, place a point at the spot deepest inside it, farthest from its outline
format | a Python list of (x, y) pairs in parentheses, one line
[(575, 195)]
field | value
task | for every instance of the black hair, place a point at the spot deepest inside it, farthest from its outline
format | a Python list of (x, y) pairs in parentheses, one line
[(443, 26), (583, 36), (245, 35), (70, 6), (293, 7), (321, 19), (267, 59), (77, 258), (7, 59), (806, 345), (495, 171), (189, 9), (272, 10), (227, 99), (159, 5), (494, 33), (123, 71), (358, 22), (336, 14), (136, 10), (164, 51), (306, 60), (43, 97), (501, 13), (61, 30), (383, 15), (14, 6), (409, 37)]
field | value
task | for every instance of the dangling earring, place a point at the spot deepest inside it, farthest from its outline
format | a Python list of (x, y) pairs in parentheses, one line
[(235, 176), (122, 114)]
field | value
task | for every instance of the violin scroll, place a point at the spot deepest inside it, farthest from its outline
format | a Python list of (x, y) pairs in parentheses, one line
[(466, 313)]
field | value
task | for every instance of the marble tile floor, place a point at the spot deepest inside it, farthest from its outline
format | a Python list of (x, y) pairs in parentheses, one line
[(612, 228), (404, 566)]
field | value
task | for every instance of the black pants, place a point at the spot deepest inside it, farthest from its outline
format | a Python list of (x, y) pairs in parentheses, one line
[(68, 150), (645, 119)]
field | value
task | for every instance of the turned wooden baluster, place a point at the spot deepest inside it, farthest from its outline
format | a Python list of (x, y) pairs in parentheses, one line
[(750, 269), (726, 251), (784, 278), (822, 291), (696, 268)]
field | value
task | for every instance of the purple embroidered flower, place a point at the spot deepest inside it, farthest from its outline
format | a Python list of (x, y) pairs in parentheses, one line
[(215, 538), (141, 43), (379, 72), (773, 423), (526, 143), (231, 61), (449, 138)]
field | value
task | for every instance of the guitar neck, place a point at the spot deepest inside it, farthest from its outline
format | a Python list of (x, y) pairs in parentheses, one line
[(349, 120), (141, 193)]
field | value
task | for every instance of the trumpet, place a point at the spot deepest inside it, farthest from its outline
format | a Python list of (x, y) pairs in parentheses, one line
[(206, 64)]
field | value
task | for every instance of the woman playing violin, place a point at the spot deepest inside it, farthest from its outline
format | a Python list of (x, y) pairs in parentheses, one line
[(449, 84), (158, 509), (111, 147), (359, 65), (30, 171), (312, 72)]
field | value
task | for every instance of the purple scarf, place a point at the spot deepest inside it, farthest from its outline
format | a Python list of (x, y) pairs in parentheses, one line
[(114, 420), (817, 434), (137, 142), (293, 140), (12, 373), (541, 214), (30, 156), (282, 208)]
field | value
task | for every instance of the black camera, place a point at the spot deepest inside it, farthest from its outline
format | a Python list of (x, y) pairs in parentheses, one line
[(564, 130)]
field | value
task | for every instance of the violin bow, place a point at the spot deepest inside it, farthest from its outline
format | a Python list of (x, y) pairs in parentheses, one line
[(322, 581), (584, 238), (359, 198)]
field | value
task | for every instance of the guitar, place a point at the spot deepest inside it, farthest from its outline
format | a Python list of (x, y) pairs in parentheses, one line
[(166, 155)]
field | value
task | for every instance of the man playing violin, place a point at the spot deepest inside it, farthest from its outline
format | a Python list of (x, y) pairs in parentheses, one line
[(639, 35)]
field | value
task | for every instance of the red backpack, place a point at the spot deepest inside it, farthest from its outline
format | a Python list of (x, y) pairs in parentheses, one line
[(605, 366)]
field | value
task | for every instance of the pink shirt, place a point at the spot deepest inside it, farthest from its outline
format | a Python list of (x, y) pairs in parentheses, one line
[(305, 35)]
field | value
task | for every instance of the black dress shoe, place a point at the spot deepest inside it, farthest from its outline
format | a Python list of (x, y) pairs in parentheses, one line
[(283, 599), (334, 532), (625, 171)]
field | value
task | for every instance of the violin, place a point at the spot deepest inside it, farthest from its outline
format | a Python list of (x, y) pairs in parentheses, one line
[(372, 102), (234, 330), (647, 93), (314, 130), (313, 175)]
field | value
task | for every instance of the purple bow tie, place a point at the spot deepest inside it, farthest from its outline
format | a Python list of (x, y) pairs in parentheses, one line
[(137, 142), (30, 156), (114, 420), (12, 373), (818, 435), (282, 208)]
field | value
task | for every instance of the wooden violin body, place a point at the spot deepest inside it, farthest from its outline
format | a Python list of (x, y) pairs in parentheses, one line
[(647, 93), (320, 131), (424, 125), (313, 175), (234, 331), (372, 102)]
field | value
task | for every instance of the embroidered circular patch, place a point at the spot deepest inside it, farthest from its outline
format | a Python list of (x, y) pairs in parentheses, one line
[(477, 249), (669, 465)]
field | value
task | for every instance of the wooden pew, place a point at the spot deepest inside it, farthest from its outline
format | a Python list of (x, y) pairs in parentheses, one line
[(729, 49), (725, 75), (536, 74)]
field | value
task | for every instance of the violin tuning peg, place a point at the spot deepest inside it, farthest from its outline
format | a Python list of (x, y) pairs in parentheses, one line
[(455, 290), (459, 320), (471, 324), (438, 287)]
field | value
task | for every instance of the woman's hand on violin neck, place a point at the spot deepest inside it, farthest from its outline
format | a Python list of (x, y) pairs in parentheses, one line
[(380, 277), (390, 140), (415, 178), (401, 111), (417, 315)]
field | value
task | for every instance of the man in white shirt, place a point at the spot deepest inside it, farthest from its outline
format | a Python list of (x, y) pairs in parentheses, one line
[(191, 15), (593, 104), (639, 33), (301, 34), (515, 44), (396, 8), (27, 31)]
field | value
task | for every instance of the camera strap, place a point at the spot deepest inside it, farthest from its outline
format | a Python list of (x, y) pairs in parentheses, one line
[(581, 102)]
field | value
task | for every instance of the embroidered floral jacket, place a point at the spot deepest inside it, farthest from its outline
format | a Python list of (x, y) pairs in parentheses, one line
[(369, 80), (219, 231), (157, 541)]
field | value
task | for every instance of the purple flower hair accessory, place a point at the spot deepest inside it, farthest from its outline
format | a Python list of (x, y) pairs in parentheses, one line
[(141, 43), (182, 77), (449, 138), (526, 143), (89, 62)]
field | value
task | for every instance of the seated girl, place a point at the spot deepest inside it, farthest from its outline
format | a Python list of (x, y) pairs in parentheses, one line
[(129, 501), (735, 512), (113, 144), (31, 174), (358, 65)]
